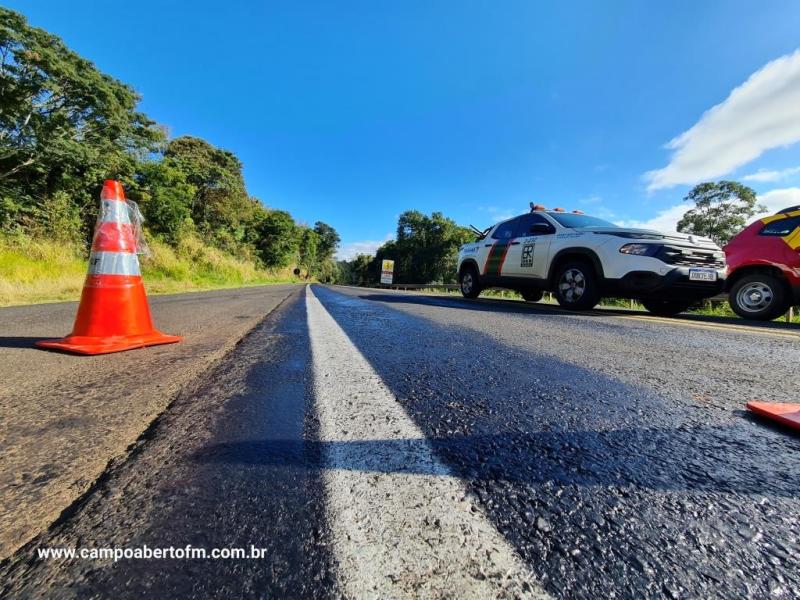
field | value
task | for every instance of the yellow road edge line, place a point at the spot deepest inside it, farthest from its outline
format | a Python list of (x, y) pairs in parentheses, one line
[(717, 326)]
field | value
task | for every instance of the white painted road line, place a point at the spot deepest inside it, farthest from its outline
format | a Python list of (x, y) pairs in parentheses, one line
[(402, 525)]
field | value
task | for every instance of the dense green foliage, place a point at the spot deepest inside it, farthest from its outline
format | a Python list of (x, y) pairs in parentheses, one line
[(277, 239), (721, 210), (425, 251), (359, 271), (65, 127)]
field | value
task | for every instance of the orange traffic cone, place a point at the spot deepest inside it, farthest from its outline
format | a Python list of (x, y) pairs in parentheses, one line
[(113, 314), (783, 413)]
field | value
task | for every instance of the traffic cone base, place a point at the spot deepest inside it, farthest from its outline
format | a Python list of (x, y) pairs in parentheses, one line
[(786, 414), (92, 345), (113, 314)]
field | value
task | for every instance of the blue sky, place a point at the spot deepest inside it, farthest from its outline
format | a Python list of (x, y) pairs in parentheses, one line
[(351, 112)]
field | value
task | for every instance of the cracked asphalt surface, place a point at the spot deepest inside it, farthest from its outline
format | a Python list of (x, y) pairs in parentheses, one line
[(611, 452)]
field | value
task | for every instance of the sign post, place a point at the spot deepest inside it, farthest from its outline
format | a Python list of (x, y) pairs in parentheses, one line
[(387, 272)]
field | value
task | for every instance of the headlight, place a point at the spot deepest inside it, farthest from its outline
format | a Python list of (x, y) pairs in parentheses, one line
[(640, 249)]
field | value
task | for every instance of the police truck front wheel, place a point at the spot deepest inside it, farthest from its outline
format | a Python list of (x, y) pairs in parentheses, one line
[(470, 285), (577, 287)]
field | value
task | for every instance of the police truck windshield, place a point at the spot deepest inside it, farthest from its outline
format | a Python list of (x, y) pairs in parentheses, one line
[(576, 220)]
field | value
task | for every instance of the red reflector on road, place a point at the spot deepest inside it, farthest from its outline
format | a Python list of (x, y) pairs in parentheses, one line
[(787, 414)]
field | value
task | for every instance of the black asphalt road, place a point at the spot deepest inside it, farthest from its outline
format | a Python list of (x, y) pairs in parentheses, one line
[(610, 450), (63, 417)]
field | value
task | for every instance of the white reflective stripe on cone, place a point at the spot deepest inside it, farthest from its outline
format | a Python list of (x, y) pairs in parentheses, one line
[(114, 263), (115, 211)]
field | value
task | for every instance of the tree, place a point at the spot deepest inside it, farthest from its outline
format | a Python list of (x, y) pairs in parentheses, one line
[(221, 206), (309, 244), (64, 125), (360, 270), (165, 198), (329, 240), (277, 240), (207, 167), (326, 268), (426, 247), (328, 271), (721, 210)]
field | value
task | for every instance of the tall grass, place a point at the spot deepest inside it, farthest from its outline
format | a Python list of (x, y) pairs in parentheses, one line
[(194, 266), (35, 270), (39, 271)]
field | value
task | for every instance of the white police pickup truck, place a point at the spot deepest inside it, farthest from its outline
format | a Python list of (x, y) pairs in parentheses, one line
[(582, 259)]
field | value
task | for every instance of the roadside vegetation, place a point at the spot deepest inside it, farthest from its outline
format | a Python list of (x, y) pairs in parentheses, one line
[(425, 250), (65, 127), (39, 270)]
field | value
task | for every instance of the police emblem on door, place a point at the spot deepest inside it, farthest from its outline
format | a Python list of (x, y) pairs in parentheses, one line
[(527, 255)]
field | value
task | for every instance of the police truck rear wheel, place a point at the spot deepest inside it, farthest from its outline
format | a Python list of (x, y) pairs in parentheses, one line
[(577, 287), (470, 285)]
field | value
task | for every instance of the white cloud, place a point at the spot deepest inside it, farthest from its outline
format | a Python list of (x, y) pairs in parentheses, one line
[(763, 176), (776, 200), (762, 113), (666, 220), (590, 200), (349, 250), (603, 213), (497, 214)]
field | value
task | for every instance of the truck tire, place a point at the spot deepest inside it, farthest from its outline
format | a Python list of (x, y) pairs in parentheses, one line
[(469, 281), (666, 308), (759, 296), (577, 286)]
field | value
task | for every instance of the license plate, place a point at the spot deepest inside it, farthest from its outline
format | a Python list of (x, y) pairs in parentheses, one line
[(702, 275)]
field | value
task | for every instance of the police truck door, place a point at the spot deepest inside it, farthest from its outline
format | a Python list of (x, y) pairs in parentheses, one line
[(529, 259)]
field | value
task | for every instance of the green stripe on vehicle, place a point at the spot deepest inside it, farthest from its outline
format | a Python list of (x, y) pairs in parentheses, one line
[(497, 255)]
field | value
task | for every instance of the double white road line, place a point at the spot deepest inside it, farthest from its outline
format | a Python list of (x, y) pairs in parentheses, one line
[(403, 526)]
